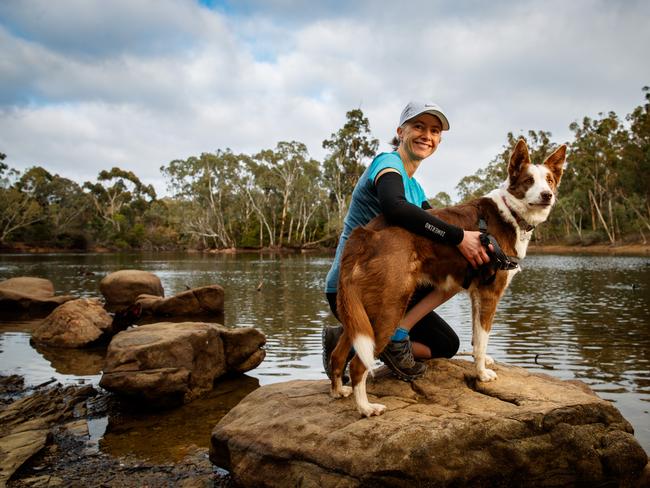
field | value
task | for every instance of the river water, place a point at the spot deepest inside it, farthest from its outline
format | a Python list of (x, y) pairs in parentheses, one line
[(585, 317)]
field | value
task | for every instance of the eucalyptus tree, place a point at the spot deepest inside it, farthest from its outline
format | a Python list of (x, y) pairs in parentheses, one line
[(291, 174), (310, 206), (64, 205), (260, 194), (635, 174), (595, 162), (211, 185), (18, 210), (349, 149), (119, 199)]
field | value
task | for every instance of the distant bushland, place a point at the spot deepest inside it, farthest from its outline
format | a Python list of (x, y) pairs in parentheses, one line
[(283, 198)]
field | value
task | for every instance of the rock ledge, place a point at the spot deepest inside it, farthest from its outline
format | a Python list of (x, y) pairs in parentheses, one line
[(446, 429)]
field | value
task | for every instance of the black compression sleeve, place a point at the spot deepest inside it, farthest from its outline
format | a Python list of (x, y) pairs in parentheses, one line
[(398, 211)]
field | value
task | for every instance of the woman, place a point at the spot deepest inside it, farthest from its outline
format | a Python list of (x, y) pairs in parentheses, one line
[(388, 186)]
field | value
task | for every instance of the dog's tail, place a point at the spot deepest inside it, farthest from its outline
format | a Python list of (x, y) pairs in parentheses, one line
[(359, 329)]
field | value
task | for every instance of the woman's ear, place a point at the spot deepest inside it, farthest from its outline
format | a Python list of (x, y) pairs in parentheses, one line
[(400, 131)]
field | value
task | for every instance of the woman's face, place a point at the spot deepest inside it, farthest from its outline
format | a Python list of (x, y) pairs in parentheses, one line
[(420, 136)]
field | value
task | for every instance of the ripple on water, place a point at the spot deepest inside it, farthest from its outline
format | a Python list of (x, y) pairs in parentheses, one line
[(579, 315)]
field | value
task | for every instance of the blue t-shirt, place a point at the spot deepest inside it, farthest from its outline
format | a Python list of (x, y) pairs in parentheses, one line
[(365, 205)]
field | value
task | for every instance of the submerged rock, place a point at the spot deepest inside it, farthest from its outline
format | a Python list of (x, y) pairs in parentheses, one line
[(170, 363), (122, 288), (445, 429), (205, 300), (77, 323), (29, 296)]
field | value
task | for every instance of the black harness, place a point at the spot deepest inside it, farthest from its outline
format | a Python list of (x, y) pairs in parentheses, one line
[(498, 260)]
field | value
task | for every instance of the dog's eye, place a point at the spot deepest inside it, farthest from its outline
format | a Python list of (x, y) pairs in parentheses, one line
[(529, 180)]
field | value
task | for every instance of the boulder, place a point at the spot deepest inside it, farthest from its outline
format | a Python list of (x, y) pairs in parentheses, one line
[(170, 363), (122, 288), (445, 429), (25, 295), (77, 323), (206, 300)]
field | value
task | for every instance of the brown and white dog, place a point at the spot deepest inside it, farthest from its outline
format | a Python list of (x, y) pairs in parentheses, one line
[(382, 265)]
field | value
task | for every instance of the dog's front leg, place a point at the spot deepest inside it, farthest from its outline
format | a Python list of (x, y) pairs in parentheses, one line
[(483, 308)]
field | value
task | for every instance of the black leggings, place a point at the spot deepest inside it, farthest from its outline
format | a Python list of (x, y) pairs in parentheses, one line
[(431, 330)]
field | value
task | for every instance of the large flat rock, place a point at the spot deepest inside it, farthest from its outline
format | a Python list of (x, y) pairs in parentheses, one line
[(445, 429)]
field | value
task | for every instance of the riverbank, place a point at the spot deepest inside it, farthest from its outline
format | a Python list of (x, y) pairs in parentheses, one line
[(69, 456), (626, 249), (594, 249)]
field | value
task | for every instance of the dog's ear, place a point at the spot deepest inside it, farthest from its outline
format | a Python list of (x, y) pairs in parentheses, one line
[(555, 163), (518, 160)]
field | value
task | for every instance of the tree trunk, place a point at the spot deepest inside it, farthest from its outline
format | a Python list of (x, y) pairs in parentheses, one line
[(601, 218)]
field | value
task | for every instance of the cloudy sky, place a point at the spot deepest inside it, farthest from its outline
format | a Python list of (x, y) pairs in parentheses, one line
[(90, 84)]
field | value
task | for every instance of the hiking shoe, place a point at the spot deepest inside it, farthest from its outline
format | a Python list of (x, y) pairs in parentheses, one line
[(398, 356), (330, 337)]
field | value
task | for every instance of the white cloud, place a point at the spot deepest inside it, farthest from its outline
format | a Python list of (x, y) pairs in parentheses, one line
[(87, 85)]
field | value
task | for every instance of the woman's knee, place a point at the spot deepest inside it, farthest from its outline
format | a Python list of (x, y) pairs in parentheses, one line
[(331, 300), (454, 346)]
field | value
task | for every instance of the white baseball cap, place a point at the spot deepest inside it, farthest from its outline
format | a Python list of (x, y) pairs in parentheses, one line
[(413, 109)]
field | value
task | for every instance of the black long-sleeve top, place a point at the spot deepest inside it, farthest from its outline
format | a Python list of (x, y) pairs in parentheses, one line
[(398, 211)]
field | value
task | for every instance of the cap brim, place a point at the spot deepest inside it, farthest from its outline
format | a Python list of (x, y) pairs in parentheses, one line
[(440, 115)]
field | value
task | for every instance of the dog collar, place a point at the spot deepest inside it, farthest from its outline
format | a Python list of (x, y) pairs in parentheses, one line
[(521, 222)]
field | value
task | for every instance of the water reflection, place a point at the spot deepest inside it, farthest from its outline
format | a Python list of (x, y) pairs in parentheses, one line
[(74, 362), (587, 317), (169, 435)]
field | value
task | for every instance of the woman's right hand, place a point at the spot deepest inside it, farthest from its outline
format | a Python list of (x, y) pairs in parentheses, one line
[(472, 249)]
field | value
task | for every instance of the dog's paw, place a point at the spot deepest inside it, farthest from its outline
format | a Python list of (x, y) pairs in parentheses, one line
[(487, 375), (488, 360), (342, 392), (370, 409)]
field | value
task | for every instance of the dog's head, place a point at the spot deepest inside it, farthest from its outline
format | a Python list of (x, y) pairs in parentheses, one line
[(532, 188)]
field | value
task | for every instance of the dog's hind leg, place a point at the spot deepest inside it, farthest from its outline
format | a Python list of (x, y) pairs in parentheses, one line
[(483, 308), (359, 374), (337, 365)]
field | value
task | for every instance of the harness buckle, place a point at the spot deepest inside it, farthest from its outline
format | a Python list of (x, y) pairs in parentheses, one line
[(499, 261)]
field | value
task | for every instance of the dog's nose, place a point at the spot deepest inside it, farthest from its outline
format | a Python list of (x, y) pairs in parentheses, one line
[(546, 196)]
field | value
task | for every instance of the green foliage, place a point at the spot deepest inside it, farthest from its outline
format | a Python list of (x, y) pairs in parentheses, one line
[(119, 199), (348, 150), (441, 200), (605, 188), (281, 197)]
